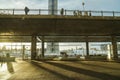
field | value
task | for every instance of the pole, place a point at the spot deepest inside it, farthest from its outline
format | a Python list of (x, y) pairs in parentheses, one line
[(83, 4)]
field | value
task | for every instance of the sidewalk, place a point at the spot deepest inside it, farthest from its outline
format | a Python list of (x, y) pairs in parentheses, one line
[(63, 70)]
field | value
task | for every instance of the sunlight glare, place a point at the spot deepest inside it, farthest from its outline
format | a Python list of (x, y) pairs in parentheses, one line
[(3, 67)]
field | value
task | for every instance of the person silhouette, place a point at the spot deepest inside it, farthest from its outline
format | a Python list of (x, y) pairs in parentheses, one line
[(62, 12), (26, 10)]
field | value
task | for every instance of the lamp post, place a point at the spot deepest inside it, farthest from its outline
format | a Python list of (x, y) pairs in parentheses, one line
[(83, 4)]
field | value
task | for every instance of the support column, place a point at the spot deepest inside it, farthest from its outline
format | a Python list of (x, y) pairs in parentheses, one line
[(33, 47), (42, 46), (87, 46), (114, 46), (23, 52)]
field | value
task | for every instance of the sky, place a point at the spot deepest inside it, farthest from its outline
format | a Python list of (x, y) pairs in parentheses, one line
[(107, 5)]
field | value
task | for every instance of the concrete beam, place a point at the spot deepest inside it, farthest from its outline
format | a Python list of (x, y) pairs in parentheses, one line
[(55, 25)]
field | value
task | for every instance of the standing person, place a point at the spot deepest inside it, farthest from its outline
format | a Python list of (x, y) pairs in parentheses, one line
[(74, 13), (2, 59), (62, 11), (26, 10), (9, 63)]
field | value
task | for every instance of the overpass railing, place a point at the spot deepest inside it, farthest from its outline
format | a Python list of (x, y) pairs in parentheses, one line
[(58, 12)]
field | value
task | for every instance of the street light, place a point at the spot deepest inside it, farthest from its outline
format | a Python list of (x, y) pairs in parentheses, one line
[(83, 4)]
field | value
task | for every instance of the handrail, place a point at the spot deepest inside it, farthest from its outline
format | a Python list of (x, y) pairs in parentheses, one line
[(58, 12)]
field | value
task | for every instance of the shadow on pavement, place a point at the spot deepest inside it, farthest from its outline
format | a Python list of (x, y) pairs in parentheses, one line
[(60, 76), (91, 73), (95, 65)]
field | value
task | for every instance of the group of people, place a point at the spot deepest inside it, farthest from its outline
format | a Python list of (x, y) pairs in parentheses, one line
[(76, 13), (80, 13)]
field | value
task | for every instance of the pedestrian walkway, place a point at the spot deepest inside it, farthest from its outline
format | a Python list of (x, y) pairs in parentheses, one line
[(63, 70)]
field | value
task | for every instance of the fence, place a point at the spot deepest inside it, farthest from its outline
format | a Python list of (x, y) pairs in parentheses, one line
[(58, 12)]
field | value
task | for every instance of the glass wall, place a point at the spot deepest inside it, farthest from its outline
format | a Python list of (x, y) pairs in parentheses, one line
[(118, 47), (73, 48), (98, 48), (16, 49)]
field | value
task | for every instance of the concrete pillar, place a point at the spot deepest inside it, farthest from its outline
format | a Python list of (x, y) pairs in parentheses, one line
[(33, 47), (23, 52), (87, 46), (42, 47), (53, 6), (109, 52), (114, 46)]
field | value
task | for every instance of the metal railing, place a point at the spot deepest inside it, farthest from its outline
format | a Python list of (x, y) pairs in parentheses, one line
[(58, 12)]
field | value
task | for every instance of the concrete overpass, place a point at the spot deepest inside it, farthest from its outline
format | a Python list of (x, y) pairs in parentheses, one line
[(57, 28), (59, 25)]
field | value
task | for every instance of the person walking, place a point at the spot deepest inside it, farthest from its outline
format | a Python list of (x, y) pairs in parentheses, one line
[(26, 10), (62, 12)]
